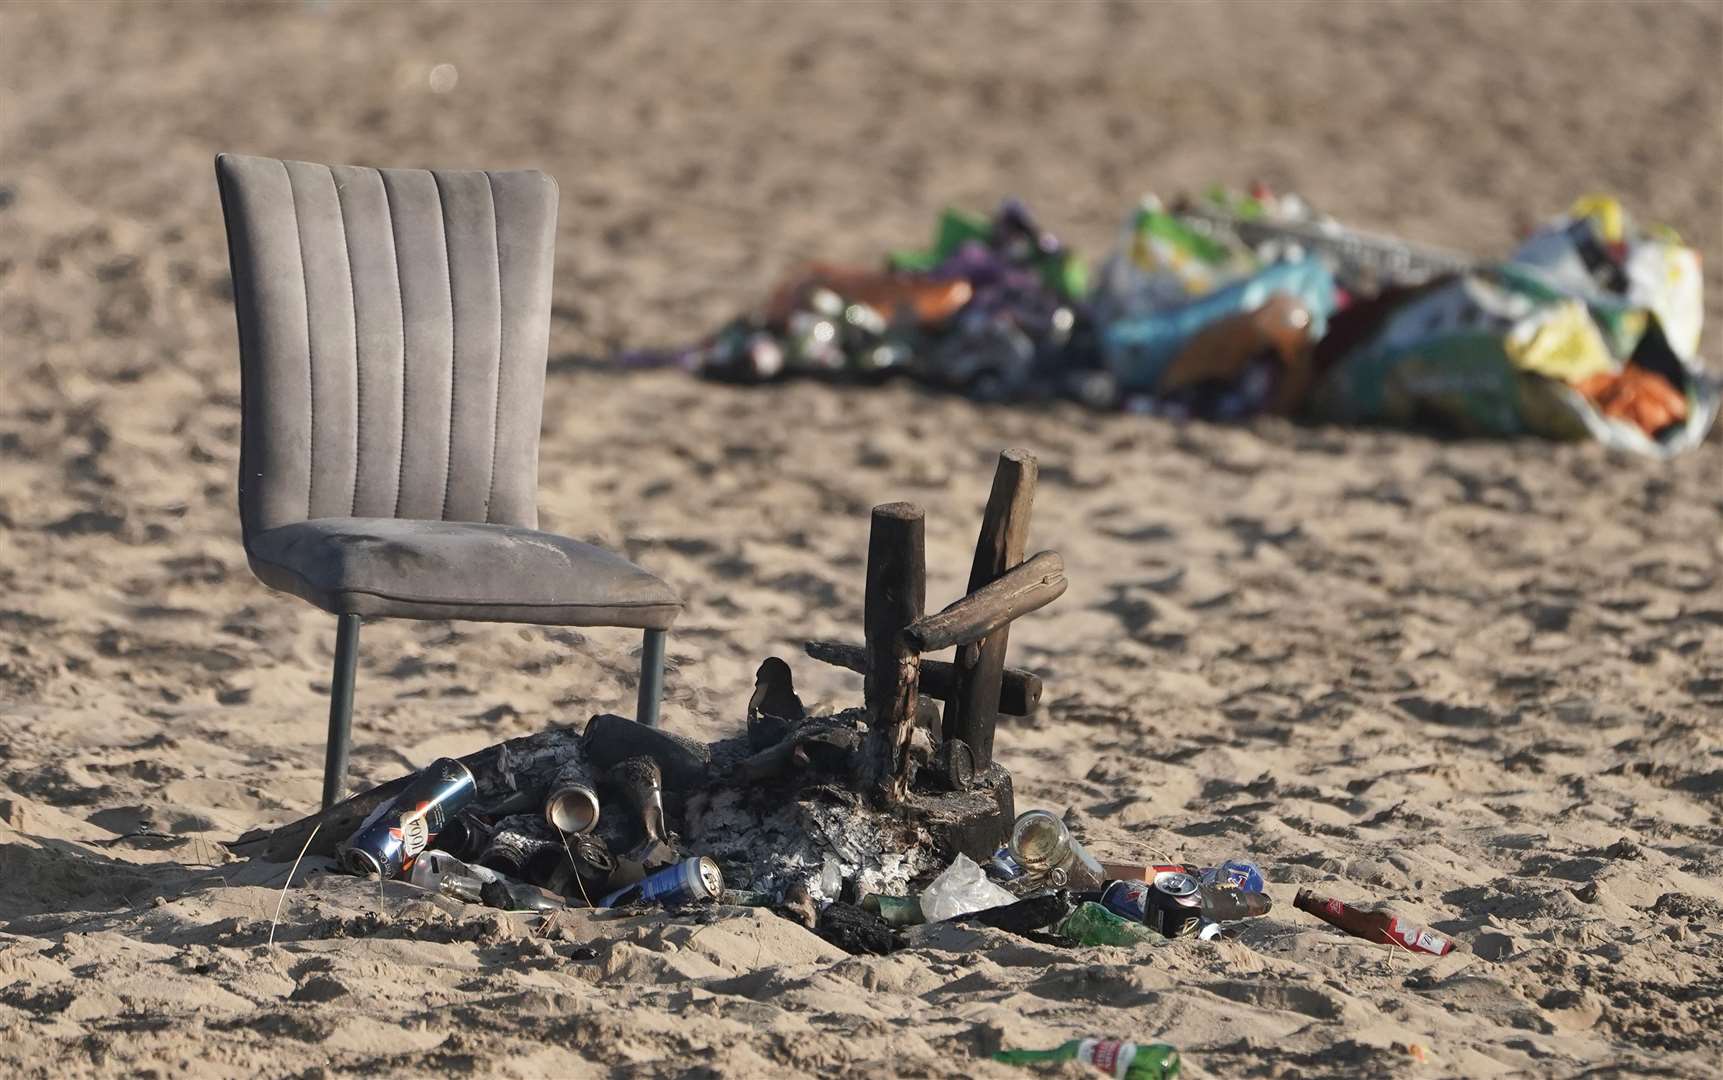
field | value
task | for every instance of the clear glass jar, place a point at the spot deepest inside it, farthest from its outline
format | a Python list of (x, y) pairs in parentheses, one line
[(1045, 848)]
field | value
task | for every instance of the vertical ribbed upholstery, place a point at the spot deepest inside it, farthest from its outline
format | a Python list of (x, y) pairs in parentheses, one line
[(393, 326)]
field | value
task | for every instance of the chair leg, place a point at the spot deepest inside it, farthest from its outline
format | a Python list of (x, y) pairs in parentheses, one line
[(340, 709), (651, 677)]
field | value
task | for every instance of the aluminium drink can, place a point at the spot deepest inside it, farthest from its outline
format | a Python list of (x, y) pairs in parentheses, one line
[(525, 847), (1170, 905), (689, 880), (1002, 867), (391, 838), (1128, 898), (1177, 904), (1233, 874)]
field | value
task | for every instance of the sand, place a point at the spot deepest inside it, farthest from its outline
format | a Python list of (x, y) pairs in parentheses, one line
[(1481, 682)]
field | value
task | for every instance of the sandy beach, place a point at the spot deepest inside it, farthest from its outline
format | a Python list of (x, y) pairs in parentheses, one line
[(1480, 682)]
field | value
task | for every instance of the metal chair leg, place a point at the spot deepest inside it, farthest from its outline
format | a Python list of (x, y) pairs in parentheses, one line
[(340, 709), (651, 677)]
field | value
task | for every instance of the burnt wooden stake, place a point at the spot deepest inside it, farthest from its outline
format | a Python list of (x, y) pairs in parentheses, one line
[(972, 709), (1019, 690), (1026, 587), (896, 594)]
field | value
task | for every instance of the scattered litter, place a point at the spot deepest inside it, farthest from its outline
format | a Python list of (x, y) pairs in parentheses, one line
[(1556, 341), (1237, 873), (1094, 924), (1176, 903), (1415, 1051), (1377, 926), (989, 309), (960, 889), (895, 910), (1109, 1057), (853, 824)]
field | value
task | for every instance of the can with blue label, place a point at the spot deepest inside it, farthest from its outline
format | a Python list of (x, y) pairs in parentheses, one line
[(1233, 874), (688, 881), (1171, 905), (391, 838), (1003, 867)]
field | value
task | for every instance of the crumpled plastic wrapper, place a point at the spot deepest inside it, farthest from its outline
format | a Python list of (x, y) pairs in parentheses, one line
[(959, 889)]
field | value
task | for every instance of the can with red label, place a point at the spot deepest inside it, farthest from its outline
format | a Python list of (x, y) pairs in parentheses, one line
[(391, 838)]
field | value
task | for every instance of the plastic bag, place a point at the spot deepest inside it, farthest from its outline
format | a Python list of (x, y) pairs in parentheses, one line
[(960, 889)]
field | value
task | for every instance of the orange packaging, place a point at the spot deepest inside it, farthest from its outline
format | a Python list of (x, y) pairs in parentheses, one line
[(932, 302), (1636, 394)]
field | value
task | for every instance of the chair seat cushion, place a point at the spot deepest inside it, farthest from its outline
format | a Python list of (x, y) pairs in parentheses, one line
[(390, 567)]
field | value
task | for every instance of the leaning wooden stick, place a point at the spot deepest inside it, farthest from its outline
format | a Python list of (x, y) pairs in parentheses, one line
[(1016, 593), (1019, 690), (981, 692), (896, 593)]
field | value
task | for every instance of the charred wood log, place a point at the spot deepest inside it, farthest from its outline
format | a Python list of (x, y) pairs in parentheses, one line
[(978, 696), (1020, 590), (1019, 690), (824, 749), (611, 740), (896, 593)]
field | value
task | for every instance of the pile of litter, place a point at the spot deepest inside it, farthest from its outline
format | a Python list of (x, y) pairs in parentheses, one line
[(873, 827), (1226, 306), (618, 817)]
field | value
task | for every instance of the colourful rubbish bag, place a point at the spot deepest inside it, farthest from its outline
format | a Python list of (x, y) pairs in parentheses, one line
[(1275, 314), (1505, 351)]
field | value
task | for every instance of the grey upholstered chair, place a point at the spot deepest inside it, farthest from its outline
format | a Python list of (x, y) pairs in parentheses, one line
[(393, 327)]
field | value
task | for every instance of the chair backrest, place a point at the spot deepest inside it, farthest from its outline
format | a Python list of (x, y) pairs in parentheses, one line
[(393, 328)]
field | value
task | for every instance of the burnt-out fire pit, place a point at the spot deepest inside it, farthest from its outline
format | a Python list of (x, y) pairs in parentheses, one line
[(874, 799)]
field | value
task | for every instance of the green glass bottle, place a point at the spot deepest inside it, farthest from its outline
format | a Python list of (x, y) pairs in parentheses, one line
[(1092, 924), (1111, 1057)]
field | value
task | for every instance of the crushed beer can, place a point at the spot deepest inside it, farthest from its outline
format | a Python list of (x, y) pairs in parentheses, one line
[(393, 836), (1233, 874)]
